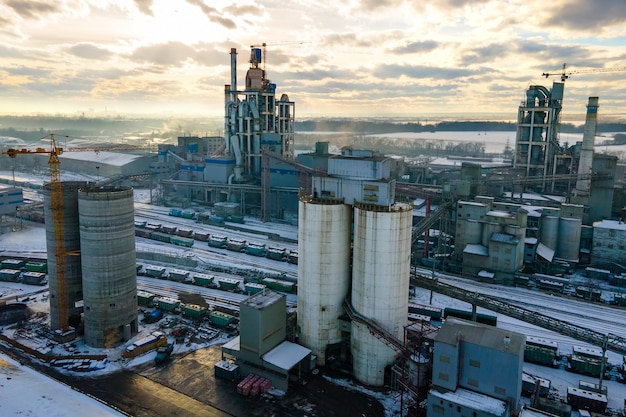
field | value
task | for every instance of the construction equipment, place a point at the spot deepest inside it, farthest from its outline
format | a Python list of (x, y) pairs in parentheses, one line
[(56, 209), (565, 74)]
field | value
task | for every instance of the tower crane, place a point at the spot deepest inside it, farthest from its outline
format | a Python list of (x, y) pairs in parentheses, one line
[(56, 209), (564, 73)]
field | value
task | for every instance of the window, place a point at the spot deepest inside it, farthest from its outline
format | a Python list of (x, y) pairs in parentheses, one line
[(443, 377), (472, 382), (474, 363), (444, 359)]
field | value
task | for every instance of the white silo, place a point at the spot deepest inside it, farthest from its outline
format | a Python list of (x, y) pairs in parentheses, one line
[(568, 245), (380, 285), (107, 240), (549, 231), (323, 271)]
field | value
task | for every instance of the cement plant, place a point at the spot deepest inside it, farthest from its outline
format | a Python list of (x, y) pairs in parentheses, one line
[(405, 285)]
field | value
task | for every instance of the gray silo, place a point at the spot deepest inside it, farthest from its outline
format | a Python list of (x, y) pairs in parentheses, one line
[(107, 238), (71, 244)]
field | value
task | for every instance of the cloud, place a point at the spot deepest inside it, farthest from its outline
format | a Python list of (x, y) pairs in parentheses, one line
[(484, 54), (415, 47), (89, 51), (170, 54), (213, 14), (387, 71), (585, 15), (33, 9), (144, 6)]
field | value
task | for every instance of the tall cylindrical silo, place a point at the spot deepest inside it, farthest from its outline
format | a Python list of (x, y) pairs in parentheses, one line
[(71, 244), (549, 231), (380, 285), (323, 272), (568, 245), (107, 239)]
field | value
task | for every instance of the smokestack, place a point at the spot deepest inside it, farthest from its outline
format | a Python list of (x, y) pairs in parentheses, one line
[(233, 73), (583, 185)]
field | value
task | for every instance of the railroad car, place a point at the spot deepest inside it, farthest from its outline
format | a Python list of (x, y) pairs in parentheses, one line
[(277, 254), (34, 278), (236, 219), (435, 313), (550, 285), (200, 236), (10, 275), (13, 264), (161, 237), (256, 249), (228, 284), (293, 257), (218, 241), (598, 273), (139, 232), (236, 245), (467, 315), (586, 400), (181, 241), (176, 212), (188, 214), (185, 233), (170, 230), (203, 280), (221, 319), (586, 361), (541, 351), (280, 285), (36, 267)]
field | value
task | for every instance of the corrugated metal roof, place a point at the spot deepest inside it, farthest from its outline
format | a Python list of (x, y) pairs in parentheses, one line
[(504, 238)]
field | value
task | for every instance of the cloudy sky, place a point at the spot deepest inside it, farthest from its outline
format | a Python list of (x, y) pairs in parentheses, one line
[(332, 57)]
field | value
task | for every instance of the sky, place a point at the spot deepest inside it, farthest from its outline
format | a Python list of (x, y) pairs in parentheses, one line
[(350, 58)]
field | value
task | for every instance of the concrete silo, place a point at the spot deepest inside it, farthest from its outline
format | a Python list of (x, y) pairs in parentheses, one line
[(549, 231), (107, 238), (71, 243), (380, 284), (568, 245), (323, 271)]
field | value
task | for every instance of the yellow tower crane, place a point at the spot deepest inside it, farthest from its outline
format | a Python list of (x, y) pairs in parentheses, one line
[(564, 73), (56, 209)]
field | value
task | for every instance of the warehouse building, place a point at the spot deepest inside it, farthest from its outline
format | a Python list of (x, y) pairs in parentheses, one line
[(467, 371)]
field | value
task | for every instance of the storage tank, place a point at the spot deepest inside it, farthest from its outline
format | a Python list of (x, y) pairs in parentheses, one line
[(488, 230), (323, 271), (380, 285), (568, 245), (71, 243), (107, 236), (549, 231)]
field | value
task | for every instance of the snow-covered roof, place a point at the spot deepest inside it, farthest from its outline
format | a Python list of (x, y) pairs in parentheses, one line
[(530, 240), (610, 224), (232, 344), (473, 400), (476, 249), (545, 252), (286, 355), (103, 157), (531, 412)]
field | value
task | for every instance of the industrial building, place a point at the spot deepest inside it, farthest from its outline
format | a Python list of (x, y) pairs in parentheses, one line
[(10, 199), (354, 243), (609, 242), (467, 374), (261, 347), (247, 165), (98, 263)]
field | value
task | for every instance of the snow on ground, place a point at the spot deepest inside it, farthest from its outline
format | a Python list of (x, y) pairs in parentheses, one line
[(29, 393)]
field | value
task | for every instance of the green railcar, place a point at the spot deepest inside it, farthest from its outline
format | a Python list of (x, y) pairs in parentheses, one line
[(37, 267), (221, 319)]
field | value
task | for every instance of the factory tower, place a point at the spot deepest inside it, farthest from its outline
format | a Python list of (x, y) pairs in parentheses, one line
[(100, 263), (354, 250)]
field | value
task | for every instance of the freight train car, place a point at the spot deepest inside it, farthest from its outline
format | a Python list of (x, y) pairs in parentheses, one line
[(34, 278), (10, 275), (586, 361), (467, 315), (277, 254), (586, 400), (36, 267), (256, 249), (541, 351), (280, 285), (218, 241), (435, 313), (293, 257)]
